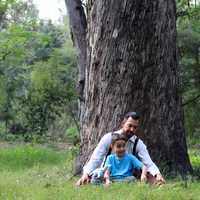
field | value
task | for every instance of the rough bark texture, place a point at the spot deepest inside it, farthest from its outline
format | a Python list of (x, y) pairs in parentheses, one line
[(78, 26), (132, 66)]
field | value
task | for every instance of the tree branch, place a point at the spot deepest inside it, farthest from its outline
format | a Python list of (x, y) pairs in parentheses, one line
[(182, 13), (74, 119), (191, 100), (3, 57)]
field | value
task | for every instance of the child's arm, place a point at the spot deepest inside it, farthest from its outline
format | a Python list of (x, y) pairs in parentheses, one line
[(107, 171), (143, 177), (107, 177)]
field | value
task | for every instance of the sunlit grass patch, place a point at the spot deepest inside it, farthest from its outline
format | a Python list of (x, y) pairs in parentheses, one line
[(22, 157), (195, 157)]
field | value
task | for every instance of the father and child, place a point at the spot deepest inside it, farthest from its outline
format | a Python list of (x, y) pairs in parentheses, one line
[(119, 166)]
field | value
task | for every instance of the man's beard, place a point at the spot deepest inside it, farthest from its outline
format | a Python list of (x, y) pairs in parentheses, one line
[(129, 135)]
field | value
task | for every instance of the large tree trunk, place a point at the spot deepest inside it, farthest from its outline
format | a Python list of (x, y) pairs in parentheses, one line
[(132, 66)]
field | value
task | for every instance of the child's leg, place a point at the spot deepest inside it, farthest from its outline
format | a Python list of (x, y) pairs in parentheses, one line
[(127, 179), (97, 177), (96, 181)]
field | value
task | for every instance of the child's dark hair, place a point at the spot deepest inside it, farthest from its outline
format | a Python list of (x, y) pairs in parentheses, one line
[(116, 137)]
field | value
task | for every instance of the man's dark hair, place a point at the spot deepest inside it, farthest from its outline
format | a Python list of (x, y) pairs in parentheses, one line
[(133, 115), (116, 137)]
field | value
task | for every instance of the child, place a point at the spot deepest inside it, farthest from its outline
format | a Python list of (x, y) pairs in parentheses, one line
[(121, 165)]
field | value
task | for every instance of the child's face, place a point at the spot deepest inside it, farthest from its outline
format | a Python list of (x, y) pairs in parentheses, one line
[(119, 148)]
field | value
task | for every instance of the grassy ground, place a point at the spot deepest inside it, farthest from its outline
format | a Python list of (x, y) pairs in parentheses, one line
[(36, 173)]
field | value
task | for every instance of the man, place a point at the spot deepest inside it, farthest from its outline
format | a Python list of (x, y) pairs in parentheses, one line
[(129, 126)]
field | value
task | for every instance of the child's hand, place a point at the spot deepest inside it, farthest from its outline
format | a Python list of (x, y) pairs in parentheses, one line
[(107, 183), (143, 178)]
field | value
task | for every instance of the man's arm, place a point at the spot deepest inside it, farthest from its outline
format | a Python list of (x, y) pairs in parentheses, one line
[(144, 156), (144, 174), (96, 159), (98, 154)]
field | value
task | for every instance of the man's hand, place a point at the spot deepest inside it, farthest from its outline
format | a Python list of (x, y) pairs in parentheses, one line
[(143, 178), (85, 179), (159, 179)]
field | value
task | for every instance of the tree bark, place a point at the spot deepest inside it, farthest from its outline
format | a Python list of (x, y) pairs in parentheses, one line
[(132, 66), (78, 27)]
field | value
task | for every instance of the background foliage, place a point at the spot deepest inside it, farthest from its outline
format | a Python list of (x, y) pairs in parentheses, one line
[(188, 26), (37, 74)]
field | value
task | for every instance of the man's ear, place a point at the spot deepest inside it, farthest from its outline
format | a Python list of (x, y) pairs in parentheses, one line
[(123, 122)]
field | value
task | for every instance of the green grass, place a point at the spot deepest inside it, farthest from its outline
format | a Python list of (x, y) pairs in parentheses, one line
[(195, 157), (42, 173), (22, 157)]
